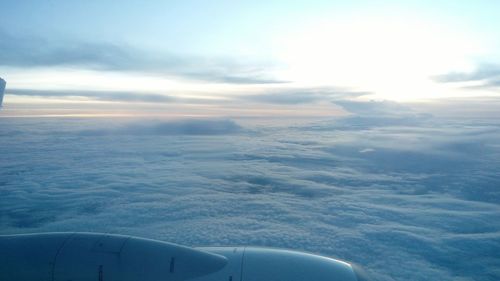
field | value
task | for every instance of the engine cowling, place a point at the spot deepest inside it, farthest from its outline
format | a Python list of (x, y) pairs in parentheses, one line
[(103, 257)]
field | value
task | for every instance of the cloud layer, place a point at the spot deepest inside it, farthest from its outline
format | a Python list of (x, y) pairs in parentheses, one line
[(416, 200), (282, 96)]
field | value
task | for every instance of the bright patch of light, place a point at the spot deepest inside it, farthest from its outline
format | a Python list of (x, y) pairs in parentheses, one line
[(393, 58), (91, 80)]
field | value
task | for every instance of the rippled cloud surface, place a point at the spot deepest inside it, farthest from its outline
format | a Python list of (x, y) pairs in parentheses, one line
[(408, 198)]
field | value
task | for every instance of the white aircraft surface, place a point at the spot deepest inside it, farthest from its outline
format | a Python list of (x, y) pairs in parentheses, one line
[(104, 257), (2, 89)]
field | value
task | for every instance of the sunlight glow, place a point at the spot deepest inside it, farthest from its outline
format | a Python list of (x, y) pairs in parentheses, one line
[(392, 58)]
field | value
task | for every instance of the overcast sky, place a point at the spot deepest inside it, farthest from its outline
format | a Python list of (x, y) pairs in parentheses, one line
[(242, 52)]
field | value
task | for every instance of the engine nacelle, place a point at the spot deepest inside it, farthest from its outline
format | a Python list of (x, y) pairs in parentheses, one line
[(102, 257)]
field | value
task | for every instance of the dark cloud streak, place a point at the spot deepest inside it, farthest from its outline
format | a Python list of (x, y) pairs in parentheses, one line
[(488, 75), (483, 72), (95, 95), (289, 96)]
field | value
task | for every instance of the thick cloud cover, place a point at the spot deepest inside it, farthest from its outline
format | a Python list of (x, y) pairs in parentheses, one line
[(413, 200)]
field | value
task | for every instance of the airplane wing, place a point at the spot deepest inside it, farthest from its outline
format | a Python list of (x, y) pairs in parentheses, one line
[(2, 89)]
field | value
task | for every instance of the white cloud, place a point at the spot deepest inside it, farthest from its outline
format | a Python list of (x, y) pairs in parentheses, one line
[(425, 199)]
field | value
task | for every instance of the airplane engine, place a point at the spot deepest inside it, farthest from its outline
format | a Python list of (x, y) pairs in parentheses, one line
[(268, 264), (103, 257)]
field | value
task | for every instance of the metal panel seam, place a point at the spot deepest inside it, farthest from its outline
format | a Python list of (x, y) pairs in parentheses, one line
[(123, 245), (242, 259), (58, 251)]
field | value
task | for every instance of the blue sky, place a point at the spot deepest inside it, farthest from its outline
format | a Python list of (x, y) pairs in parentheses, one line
[(218, 52), (219, 27)]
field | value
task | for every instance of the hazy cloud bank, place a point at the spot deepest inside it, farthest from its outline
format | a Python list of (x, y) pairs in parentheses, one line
[(27, 52), (283, 96)]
